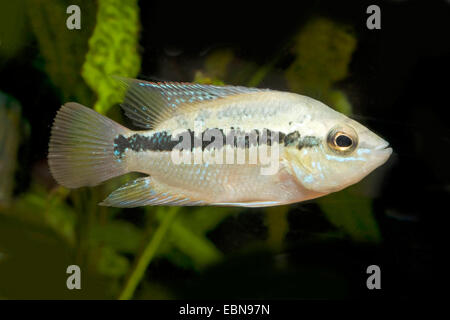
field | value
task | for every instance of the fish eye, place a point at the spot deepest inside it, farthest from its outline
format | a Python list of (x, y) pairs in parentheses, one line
[(342, 140)]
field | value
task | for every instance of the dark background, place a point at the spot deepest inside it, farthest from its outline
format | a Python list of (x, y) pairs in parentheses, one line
[(399, 79)]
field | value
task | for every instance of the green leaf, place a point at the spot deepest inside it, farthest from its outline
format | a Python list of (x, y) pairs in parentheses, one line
[(63, 50), (339, 101), (323, 50), (119, 235), (187, 245), (112, 51), (112, 264), (154, 291), (197, 247), (217, 62), (201, 220), (216, 65), (38, 207), (277, 226), (13, 28), (352, 213), (189, 234)]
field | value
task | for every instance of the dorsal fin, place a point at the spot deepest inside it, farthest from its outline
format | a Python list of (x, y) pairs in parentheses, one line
[(149, 103)]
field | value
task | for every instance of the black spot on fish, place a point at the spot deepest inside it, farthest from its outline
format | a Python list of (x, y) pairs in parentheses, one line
[(292, 138), (120, 144)]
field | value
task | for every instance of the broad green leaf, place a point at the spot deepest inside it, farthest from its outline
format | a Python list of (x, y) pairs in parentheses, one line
[(216, 63), (277, 226), (154, 291), (216, 67), (201, 220), (13, 28), (63, 50), (112, 264), (323, 50), (38, 207), (202, 78), (112, 51), (199, 248), (119, 235), (187, 244), (351, 212), (338, 99)]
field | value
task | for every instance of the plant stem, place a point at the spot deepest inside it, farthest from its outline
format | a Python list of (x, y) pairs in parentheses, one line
[(147, 255)]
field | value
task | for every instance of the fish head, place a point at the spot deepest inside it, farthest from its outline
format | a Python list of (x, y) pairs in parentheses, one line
[(336, 152)]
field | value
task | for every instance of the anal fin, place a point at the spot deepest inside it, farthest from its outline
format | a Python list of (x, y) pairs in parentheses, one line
[(147, 192)]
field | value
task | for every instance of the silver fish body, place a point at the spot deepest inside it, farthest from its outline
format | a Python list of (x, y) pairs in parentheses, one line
[(239, 146)]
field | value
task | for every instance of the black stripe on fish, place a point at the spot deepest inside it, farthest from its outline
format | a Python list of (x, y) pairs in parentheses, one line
[(307, 142), (163, 141), (159, 141), (291, 139)]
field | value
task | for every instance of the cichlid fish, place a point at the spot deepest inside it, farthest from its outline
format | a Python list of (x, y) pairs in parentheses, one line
[(213, 145)]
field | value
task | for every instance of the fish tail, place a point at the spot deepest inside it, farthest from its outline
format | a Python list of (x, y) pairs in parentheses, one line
[(81, 148)]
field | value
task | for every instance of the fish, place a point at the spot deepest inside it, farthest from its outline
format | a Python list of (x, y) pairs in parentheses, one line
[(210, 145)]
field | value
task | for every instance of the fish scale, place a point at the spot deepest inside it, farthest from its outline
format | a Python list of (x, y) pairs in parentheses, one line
[(223, 181)]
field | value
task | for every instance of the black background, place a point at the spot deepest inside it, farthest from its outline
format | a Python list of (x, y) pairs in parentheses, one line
[(401, 75)]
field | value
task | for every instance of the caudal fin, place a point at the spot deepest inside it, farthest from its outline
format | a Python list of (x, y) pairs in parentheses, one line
[(81, 148)]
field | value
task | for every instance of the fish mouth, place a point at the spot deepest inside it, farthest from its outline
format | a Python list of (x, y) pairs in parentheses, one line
[(387, 151), (384, 147), (383, 152)]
